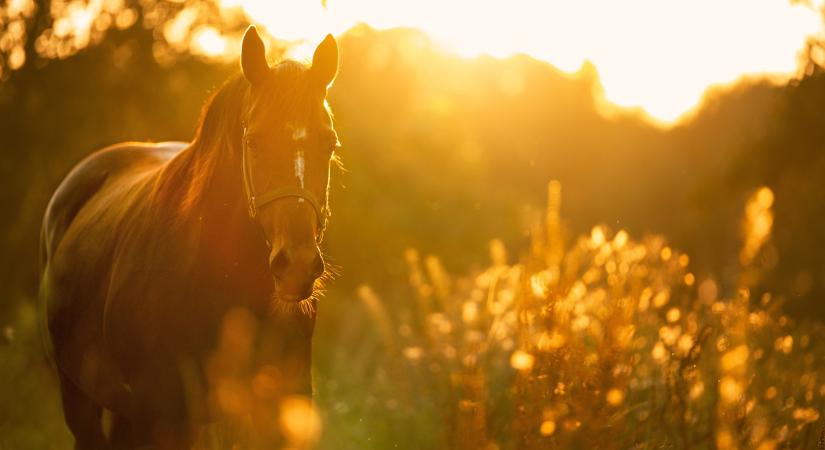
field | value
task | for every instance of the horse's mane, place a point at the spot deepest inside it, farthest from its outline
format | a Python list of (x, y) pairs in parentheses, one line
[(186, 178)]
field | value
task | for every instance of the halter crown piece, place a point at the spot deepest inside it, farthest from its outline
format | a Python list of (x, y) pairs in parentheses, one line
[(257, 201)]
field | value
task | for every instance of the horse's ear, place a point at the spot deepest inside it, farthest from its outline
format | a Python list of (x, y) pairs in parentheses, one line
[(253, 57), (325, 61)]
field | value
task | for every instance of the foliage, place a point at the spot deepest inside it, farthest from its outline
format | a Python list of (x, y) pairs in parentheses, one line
[(31, 417), (34, 32)]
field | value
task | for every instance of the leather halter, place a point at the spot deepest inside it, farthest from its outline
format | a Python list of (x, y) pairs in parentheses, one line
[(258, 201)]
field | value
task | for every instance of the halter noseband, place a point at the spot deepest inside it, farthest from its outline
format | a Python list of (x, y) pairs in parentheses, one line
[(258, 201)]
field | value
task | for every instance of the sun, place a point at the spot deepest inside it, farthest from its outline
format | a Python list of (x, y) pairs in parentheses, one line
[(656, 56)]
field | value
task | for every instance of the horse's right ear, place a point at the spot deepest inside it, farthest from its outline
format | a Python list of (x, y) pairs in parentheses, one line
[(253, 57)]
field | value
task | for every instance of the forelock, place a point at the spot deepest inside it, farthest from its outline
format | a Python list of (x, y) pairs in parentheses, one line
[(287, 92)]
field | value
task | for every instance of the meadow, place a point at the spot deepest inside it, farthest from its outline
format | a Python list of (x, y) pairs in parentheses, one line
[(599, 340)]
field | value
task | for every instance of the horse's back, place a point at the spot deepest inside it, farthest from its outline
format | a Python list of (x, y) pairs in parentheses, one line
[(78, 233), (89, 176)]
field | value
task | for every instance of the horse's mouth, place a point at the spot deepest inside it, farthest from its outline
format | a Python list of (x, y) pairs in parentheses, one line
[(290, 303), (289, 294), (287, 298), (296, 297)]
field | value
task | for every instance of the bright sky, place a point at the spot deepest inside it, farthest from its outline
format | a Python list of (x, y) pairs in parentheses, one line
[(659, 55)]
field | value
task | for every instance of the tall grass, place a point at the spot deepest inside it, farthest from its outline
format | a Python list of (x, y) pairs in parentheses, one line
[(600, 341), (603, 341)]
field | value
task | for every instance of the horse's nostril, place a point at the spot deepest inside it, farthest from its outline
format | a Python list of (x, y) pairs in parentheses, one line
[(296, 265), (278, 263)]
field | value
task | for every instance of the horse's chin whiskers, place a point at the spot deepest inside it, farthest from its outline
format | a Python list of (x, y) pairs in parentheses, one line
[(330, 272), (305, 307)]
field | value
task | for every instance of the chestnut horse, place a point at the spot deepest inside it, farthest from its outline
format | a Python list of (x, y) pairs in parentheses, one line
[(179, 280)]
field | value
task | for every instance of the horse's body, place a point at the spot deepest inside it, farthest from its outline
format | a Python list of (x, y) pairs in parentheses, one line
[(131, 293), (147, 249), (84, 285)]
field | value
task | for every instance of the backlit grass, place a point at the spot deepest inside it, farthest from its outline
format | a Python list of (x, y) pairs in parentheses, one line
[(601, 341)]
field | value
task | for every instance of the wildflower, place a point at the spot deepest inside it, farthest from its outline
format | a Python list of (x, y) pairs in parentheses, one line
[(661, 298), (659, 353), (615, 397), (548, 427), (550, 341), (521, 360), (784, 344), (735, 358), (413, 353), (685, 343), (806, 415), (730, 389), (597, 236), (697, 390), (300, 421), (469, 312)]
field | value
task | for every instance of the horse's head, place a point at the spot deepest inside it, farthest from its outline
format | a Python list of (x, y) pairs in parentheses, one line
[(288, 146)]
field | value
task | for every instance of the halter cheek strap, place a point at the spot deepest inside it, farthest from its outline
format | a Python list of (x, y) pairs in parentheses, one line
[(257, 201)]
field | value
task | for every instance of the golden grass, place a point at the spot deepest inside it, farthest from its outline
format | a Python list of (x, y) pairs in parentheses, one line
[(608, 342)]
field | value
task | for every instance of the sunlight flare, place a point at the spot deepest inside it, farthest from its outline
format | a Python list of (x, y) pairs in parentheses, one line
[(208, 40), (659, 57)]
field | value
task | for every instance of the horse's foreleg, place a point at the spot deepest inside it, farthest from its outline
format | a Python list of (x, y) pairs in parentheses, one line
[(167, 436), (133, 435), (83, 417), (126, 435), (161, 414)]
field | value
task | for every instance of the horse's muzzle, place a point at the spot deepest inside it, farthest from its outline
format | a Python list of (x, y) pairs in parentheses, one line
[(295, 272)]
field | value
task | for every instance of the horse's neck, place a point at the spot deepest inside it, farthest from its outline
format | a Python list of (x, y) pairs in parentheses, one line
[(230, 242), (223, 194), (222, 204)]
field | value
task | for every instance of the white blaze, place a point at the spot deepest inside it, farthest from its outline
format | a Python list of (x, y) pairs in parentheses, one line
[(299, 166), (298, 135)]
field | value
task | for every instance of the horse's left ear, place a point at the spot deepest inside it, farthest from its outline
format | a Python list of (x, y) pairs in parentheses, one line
[(325, 61)]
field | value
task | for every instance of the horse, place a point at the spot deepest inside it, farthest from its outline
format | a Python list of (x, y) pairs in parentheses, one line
[(180, 280)]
